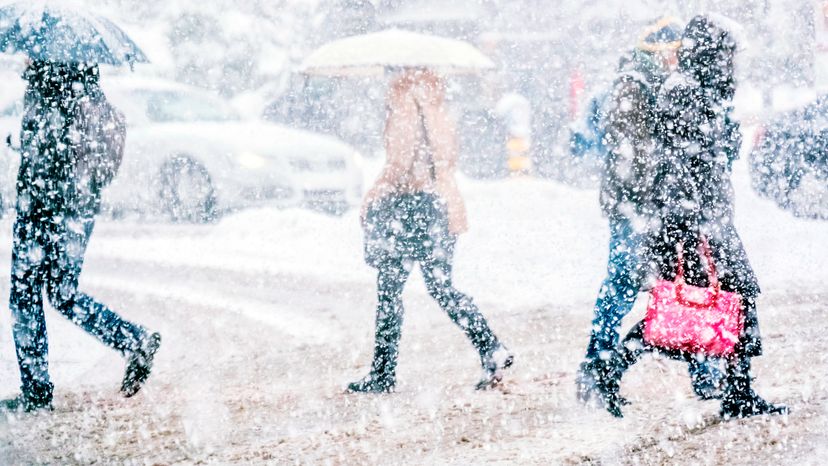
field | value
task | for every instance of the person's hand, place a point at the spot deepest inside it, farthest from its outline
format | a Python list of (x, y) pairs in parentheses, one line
[(458, 222)]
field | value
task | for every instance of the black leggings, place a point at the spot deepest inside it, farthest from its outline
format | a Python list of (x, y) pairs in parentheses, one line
[(436, 268)]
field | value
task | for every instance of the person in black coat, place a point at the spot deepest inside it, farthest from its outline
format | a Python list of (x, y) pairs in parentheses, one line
[(58, 196), (694, 200)]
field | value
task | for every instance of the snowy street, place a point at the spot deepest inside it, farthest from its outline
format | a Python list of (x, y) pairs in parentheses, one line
[(268, 314)]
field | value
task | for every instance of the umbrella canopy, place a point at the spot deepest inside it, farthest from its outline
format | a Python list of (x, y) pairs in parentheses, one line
[(371, 54), (54, 32)]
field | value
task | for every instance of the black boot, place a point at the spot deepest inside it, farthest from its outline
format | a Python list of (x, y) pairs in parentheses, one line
[(23, 404), (36, 396), (139, 364), (494, 362), (740, 401), (598, 382), (382, 377), (374, 382)]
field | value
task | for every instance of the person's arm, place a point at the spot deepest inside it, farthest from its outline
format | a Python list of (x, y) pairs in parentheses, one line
[(400, 141), (631, 133), (442, 135), (732, 138), (680, 126)]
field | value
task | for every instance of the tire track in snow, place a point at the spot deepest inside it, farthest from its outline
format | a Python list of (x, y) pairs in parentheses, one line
[(133, 278), (304, 329)]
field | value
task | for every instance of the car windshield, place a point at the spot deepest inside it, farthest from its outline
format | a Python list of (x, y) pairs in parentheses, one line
[(173, 106)]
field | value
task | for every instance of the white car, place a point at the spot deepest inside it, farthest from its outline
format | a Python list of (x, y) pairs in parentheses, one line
[(189, 156)]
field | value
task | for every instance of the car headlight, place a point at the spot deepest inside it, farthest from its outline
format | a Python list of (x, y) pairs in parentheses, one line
[(359, 163), (252, 160)]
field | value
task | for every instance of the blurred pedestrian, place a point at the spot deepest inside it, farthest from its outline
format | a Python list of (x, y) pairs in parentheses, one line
[(626, 182), (413, 214), (694, 201), (72, 141)]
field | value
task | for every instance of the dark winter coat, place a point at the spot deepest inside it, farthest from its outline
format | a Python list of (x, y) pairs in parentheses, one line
[(67, 155), (631, 123), (694, 193)]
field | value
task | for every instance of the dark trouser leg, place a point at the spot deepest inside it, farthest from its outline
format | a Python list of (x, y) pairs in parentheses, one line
[(737, 389), (26, 303), (390, 283), (62, 287), (99, 321), (459, 307), (704, 375), (633, 347), (739, 399), (597, 376), (619, 290)]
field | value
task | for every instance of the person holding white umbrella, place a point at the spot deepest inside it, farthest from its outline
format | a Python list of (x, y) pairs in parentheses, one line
[(413, 214)]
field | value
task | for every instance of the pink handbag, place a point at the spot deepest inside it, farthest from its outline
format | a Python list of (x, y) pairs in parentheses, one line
[(693, 319)]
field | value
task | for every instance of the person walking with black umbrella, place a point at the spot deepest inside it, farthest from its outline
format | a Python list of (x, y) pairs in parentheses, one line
[(59, 187), (71, 145)]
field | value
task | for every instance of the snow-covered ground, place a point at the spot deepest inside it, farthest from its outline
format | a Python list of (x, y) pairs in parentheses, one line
[(268, 314)]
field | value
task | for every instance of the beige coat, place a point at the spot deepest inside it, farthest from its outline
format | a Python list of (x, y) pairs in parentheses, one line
[(407, 168)]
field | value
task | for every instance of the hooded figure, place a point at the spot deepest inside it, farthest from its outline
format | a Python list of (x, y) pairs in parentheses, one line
[(627, 183), (70, 148), (694, 198), (631, 121), (413, 214)]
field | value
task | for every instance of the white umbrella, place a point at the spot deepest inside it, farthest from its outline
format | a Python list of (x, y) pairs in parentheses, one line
[(371, 54)]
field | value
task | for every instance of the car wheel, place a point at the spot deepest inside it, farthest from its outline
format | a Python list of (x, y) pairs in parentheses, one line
[(187, 193), (334, 208)]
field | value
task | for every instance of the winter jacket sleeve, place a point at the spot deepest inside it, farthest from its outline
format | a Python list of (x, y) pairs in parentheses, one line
[(442, 134), (732, 140), (681, 129), (628, 168)]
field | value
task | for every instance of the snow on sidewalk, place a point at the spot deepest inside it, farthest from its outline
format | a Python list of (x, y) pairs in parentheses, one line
[(268, 314)]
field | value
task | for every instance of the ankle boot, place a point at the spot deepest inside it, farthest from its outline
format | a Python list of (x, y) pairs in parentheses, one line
[(374, 382), (382, 377), (599, 381), (494, 362), (139, 364), (35, 396), (740, 401)]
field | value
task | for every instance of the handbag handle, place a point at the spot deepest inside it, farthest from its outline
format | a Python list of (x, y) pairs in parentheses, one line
[(712, 276)]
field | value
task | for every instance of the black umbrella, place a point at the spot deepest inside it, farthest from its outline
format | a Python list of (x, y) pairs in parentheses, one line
[(53, 32)]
